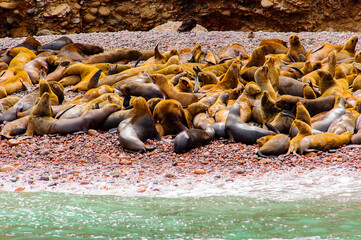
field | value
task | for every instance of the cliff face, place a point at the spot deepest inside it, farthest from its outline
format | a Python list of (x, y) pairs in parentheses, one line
[(35, 17)]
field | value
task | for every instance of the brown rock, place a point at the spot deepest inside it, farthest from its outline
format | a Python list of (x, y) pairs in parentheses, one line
[(267, 3), (44, 178), (105, 158), (148, 13), (60, 10), (13, 142), (92, 132), (93, 10), (104, 11), (95, 4), (88, 18), (8, 5), (19, 189), (7, 168), (199, 171)]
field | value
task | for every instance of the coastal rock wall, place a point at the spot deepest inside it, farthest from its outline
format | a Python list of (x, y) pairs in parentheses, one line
[(40, 17)]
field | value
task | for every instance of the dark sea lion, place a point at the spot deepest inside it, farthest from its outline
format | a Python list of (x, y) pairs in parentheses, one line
[(56, 44), (192, 138), (324, 141), (219, 130), (187, 25), (274, 147), (239, 131), (140, 89), (290, 86), (170, 115), (314, 106), (133, 132), (30, 43)]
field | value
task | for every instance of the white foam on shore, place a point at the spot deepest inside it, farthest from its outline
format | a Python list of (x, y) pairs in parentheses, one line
[(333, 183)]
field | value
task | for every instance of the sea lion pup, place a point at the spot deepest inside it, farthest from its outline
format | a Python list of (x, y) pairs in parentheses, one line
[(258, 57), (169, 117), (175, 79), (348, 51), (133, 132), (301, 115), (239, 131), (115, 55), (322, 121), (303, 130), (184, 98), (231, 51), (314, 106), (296, 51), (197, 54), (37, 68), (192, 138), (159, 58), (140, 89), (192, 110), (56, 44), (184, 85), (89, 76), (15, 127), (262, 80), (230, 79), (275, 146), (275, 46), (187, 25), (344, 123), (324, 141)]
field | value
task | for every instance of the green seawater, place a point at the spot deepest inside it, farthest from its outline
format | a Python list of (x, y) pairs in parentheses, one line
[(46, 215)]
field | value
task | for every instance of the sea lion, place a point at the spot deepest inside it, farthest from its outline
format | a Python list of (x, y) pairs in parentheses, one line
[(314, 106), (231, 51), (258, 57), (139, 89), (324, 141), (170, 116), (304, 130), (246, 99), (221, 103), (89, 76), (193, 138), (187, 25), (202, 120), (296, 51), (301, 115), (230, 79), (276, 146), (184, 85), (262, 80), (133, 132), (56, 44), (8, 102), (184, 98), (275, 46), (30, 43), (322, 121), (344, 123), (328, 85), (290, 86), (239, 131), (14, 128)]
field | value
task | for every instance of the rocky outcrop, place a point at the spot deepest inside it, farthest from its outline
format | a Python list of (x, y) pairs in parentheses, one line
[(30, 17)]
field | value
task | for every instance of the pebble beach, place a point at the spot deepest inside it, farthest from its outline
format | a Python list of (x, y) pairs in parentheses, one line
[(94, 162)]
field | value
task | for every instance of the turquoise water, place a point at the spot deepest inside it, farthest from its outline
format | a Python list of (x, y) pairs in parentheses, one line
[(46, 215)]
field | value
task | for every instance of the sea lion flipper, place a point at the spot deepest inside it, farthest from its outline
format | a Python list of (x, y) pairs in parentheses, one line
[(197, 70), (271, 128), (138, 61), (196, 84), (112, 69), (317, 49), (93, 82), (149, 149)]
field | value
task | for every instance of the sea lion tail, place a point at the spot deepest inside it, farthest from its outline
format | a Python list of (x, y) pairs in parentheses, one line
[(93, 82)]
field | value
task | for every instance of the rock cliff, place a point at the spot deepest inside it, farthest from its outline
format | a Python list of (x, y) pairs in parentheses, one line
[(40, 17)]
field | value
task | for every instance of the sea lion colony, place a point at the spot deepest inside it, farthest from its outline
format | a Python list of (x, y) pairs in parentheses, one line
[(286, 99)]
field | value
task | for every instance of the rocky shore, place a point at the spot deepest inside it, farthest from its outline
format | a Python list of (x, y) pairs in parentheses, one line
[(86, 163)]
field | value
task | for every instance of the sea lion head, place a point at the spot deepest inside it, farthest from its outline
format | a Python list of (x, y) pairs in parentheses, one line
[(252, 89), (351, 44), (158, 79), (325, 75), (302, 113), (303, 128), (42, 107), (262, 73), (140, 109), (357, 58), (294, 40)]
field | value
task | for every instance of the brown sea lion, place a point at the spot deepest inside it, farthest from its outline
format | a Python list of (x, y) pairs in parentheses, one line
[(170, 116), (184, 98), (296, 51), (187, 25), (304, 130), (246, 99), (262, 80), (140, 89), (133, 132), (239, 131), (14, 128), (231, 51), (89, 76), (30, 43), (202, 120), (275, 46), (324, 141), (184, 85), (258, 57), (230, 79), (301, 115), (274, 147), (221, 103), (193, 138)]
